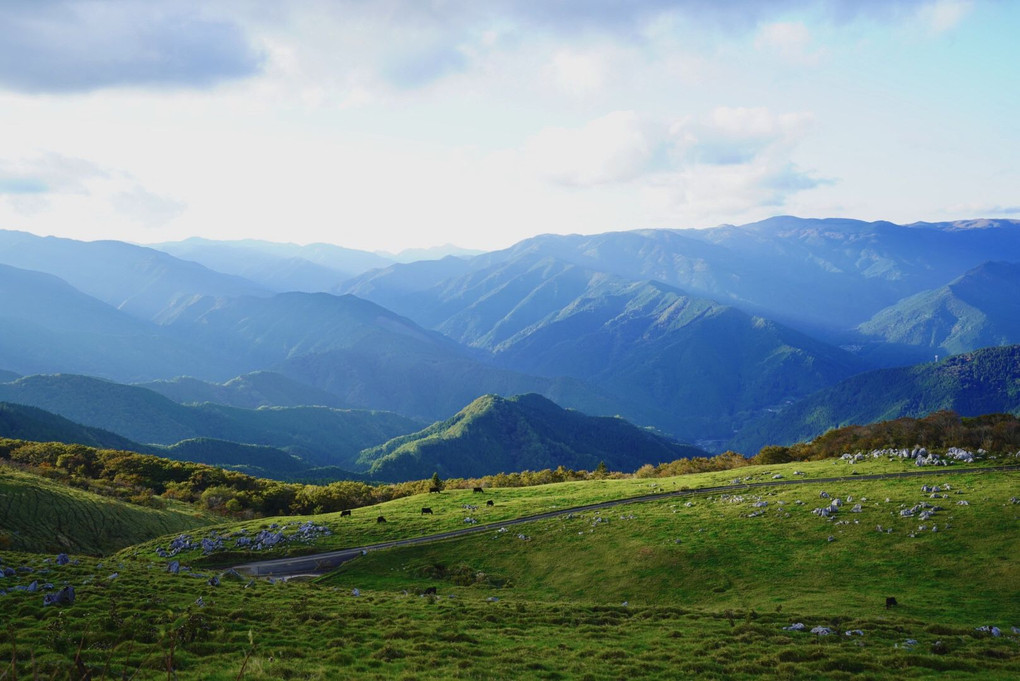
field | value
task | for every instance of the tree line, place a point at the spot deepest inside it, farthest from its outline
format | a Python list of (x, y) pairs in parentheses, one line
[(151, 481)]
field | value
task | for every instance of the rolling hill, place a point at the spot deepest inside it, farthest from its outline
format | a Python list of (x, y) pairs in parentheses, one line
[(45, 516), (321, 436), (526, 432), (981, 382), (21, 422)]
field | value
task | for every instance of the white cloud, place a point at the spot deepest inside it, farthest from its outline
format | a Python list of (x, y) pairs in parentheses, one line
[(48, 173), (146, 208), (614, 148), (68, 46), (791, 40), (729, 161), (734, 135), (578, 73), (942, 15)]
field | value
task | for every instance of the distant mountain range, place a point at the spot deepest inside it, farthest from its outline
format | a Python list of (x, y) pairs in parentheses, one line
[(828, 274), (981, 382), (697, 333), (687, 365)]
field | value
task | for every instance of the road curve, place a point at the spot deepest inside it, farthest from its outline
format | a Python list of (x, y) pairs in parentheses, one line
[(318, 563)]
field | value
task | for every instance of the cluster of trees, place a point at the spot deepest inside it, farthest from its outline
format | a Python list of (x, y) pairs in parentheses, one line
[(722, 462), (940, 430), (150, 480)]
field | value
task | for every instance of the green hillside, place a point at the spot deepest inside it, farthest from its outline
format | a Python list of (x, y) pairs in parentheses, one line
[(21, 422), (44, 516), (702, 586), (526, 432), (319, 435), (980, 382), (978, 309)]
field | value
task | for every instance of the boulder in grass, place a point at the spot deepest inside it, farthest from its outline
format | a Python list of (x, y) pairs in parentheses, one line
[(174, 567), (63, 597), (63, 559)]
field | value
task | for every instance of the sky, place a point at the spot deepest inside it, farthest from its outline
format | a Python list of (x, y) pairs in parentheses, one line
[(393, 124)]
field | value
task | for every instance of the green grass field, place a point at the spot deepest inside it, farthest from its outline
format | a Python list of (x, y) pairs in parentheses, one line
[(657, 589), (37, 514)]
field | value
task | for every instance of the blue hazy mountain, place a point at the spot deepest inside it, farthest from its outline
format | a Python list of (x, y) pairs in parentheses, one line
[(250, 391), (977, 309), (278, 267), (46, 325), (981, 382), (702, 365), (820, 275), (141, 281), (318, 435)]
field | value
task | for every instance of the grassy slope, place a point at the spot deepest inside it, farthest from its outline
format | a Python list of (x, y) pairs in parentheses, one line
[(713, 556), (712, 606), (40, 515)]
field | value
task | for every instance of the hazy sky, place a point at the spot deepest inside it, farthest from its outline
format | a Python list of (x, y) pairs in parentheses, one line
[(385, 124)]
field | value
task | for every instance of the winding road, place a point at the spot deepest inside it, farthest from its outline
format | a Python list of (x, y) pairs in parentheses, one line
[(319, 563)]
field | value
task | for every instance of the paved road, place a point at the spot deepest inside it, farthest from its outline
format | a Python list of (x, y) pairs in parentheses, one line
[(323, 562)]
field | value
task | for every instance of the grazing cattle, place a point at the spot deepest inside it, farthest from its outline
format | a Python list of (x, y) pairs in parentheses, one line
[(425, 510), (477, 489), (490, 503), (380, 519), (890, 602), (344, 513), (435, 490), (430, 591)]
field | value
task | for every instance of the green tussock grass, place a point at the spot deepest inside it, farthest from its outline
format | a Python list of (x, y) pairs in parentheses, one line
[(712, 554), (404, 518), (552, 607), (37, 514)]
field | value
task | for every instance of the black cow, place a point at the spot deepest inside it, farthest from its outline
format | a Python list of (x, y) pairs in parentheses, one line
[(490, 503), (344, 513), (425, 510), (380, 519), (430, 591), (890, 602), (435, 490), (477, 489)]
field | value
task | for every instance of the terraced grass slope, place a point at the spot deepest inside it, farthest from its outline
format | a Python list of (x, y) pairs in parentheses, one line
[(41, 516)]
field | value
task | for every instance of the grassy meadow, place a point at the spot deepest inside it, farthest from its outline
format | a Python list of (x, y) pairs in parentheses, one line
[(37, 514), (697, 586)]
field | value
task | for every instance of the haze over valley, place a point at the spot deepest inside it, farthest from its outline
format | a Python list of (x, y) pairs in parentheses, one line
[(509, 340)]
